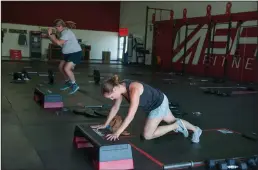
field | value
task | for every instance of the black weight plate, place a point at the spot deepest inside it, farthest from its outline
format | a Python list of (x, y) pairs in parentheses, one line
[(223, 166), (102, 112), (243, 166), (85, 112), (211, 164)]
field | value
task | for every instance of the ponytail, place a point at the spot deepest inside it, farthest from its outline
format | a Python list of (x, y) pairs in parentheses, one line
[(68, 24), (115, 79), (109, 84)]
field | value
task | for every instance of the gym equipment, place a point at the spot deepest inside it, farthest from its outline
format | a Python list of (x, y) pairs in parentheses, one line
[(20, 77), (50, 77), (210, 91), (96, 75), (228, 91), (185, 42), (233, 87), (226, 164), (210, 164), (249, 136), (153, 22), (35, 44), (195, 63), (87, 112), (231, 164), (101, 106), (105, 111), (217, 162), (140, 50), (194, 81), (103, 153), (197, 113), (208, 56), (170, 81), (227, 54), (172, 105), (47, 98), (253, 162), (223, 94)]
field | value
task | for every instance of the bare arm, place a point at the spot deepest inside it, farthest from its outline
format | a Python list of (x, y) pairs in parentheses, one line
[(56, 41), (52, 41), (135, 93), (113, 111)]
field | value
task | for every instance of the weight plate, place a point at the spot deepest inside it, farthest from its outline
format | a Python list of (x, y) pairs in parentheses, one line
[(85, 112), (223, 166), (102, 112)]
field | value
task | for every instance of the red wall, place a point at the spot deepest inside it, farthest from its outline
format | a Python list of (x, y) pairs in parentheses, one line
[(243, 70), (100, 16)]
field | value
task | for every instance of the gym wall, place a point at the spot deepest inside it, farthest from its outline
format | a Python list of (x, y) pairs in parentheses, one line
[(99, 41), (133, 14), (97, 23)]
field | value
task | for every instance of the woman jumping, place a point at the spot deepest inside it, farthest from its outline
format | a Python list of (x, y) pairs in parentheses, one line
[(153, 101), (71, 50)]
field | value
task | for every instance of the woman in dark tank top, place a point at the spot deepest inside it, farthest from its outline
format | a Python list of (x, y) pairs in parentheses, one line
[(154, 103)]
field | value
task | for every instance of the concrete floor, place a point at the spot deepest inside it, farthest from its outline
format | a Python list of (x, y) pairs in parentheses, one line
[(33, 138)]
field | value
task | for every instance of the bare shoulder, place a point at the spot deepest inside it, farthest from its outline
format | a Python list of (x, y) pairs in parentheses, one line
[(136, 86)]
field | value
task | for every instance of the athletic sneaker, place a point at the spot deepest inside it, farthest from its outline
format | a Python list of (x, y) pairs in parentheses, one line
[(196, 135), (182, 128), (74, 87), (67, 85)]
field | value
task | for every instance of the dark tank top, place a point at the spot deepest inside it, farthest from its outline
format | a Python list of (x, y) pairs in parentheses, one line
[(150, 99)]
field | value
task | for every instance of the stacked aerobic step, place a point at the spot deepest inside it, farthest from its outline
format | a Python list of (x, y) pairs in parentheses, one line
[(47, 98)]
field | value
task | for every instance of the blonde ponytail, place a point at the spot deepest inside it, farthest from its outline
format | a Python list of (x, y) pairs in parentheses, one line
[(109, 84), (115, 79), (68, 24)]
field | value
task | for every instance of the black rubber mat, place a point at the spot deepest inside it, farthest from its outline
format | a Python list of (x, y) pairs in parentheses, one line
[(17, 152), (174, 148), (46, 138)]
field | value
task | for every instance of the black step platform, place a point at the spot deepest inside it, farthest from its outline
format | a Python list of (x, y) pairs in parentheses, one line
[(48, 97), (104, 154), (173, 151)]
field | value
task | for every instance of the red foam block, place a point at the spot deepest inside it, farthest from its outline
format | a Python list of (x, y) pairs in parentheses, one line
[(84, 145), (80, 139), (117, 165)]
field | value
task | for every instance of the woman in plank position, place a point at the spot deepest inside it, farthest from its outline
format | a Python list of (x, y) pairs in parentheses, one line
[(153, 101), (71, 50)]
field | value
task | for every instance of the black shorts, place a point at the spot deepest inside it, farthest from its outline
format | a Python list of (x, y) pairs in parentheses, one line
[(73, 57)]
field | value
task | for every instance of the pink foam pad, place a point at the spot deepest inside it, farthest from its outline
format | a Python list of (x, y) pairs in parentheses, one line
[(117, 165), (53, 105), (80, 139), (84, 145)]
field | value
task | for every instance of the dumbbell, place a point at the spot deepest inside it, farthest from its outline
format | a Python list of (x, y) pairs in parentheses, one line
[(173, 105), (25, 74), (211, 164), (253, 162), (17, 76), (209, 91), (96, 75), (231, 164), (219, 93), (51, 77)]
